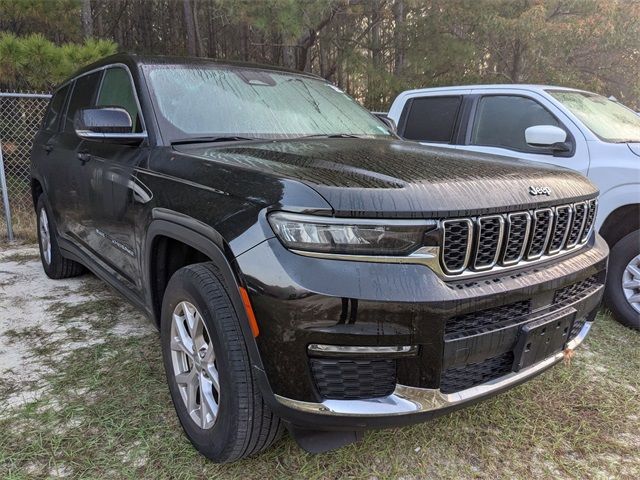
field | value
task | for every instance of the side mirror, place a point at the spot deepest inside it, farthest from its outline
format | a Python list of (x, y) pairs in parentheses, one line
[(387, 121), (549, 137), (544, 135), (106, 124)]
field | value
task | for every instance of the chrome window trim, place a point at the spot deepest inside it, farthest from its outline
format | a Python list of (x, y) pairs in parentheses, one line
[(102, 69), (498, 247), (566, 232), (523, 249), (584, 219), (467, 257), (547, 236), (406, 400)]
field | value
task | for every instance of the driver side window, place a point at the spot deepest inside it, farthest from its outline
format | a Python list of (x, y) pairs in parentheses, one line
[(501, 121)]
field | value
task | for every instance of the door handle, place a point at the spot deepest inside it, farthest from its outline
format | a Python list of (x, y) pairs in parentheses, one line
[(47, 148), (84, 157)]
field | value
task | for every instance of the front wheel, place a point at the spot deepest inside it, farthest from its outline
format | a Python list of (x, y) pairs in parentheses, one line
[(55, 265), (622, 293), (208, 369)]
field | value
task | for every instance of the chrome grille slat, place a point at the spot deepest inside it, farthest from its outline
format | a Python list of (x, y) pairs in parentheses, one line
[(561, 223), (459, 232), (481, 243), (516, 237), (592, 206), (488, 241), (579, 217), (540, 233)]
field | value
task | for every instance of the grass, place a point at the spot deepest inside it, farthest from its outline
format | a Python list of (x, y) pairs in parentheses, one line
[(106, 412)]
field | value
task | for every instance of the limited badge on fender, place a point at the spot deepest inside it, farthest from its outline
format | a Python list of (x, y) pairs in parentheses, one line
[(539, 190)]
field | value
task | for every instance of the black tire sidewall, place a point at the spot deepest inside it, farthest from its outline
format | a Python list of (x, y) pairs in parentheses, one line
[(55, 252), (217, 441), (621, 254)]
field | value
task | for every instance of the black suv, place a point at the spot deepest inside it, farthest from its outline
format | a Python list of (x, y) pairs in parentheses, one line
[(305, 267)]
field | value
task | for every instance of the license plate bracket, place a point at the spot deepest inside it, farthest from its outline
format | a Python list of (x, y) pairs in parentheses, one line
[(542, 338)]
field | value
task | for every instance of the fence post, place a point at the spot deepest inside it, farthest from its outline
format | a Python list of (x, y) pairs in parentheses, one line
[(5, 197)]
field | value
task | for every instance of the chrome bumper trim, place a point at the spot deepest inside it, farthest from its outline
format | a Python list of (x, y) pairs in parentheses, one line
[(410, 400), (322, 349)]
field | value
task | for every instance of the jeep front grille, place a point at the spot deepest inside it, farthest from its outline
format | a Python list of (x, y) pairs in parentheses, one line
[(480, 243)]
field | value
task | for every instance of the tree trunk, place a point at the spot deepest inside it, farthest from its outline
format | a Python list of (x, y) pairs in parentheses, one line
[(400, 17), (189, 27), (87, 19)]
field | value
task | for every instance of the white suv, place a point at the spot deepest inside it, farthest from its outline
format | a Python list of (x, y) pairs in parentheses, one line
[(571, 128)]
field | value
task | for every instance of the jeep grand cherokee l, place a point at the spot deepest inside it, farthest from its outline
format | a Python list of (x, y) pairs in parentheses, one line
[(305, 267)]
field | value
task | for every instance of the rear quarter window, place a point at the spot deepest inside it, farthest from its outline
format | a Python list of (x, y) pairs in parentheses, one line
[(431, 119), (54, 111)]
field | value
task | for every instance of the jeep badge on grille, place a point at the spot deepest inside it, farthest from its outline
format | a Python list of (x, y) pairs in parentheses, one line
[(539, 190)]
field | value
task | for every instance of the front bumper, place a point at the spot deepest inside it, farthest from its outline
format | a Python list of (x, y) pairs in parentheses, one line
[(300, 301), (406, 400)]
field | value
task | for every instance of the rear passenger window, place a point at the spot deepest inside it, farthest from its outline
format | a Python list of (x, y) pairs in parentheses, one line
[(82, 95), (432, 119), (55, 109), (117, 91), (502, 119)]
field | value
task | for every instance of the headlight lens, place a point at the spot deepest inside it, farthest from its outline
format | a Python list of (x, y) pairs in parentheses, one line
[(349, 236)]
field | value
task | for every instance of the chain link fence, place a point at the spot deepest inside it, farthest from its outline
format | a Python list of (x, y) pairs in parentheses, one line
[(20, 118)]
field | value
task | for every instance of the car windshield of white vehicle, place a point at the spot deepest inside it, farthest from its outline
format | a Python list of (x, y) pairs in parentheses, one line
[(229, 103), (609, 120)]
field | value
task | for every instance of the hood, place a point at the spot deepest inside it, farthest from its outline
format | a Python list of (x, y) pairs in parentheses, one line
[(387, 178)]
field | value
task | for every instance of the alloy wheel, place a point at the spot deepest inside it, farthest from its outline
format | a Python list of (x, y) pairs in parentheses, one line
[(631, 283), (45, 236), (194, 365)]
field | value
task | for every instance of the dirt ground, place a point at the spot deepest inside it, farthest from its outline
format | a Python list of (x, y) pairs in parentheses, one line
[(82, 395)]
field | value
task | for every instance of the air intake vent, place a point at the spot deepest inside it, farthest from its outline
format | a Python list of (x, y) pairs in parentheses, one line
[(488, 319), (353, 379), (460, 378)]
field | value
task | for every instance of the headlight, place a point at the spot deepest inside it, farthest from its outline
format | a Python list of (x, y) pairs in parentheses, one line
[(349, 236)]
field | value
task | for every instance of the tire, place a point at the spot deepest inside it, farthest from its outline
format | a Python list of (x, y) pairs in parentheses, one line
[(623, 254), (55, 265), (243, 424)]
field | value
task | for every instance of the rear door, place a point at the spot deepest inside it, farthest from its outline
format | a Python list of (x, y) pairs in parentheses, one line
[(48, 158), (498, 122)]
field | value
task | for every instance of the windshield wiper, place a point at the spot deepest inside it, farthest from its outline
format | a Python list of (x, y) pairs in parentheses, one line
[(331, 135), (227, 138)]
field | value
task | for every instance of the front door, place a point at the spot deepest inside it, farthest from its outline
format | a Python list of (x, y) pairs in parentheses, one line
[(499, 122), (114, 196)]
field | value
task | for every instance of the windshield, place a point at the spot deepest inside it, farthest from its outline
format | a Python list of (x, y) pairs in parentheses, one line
[(228, 101), (609, 120)]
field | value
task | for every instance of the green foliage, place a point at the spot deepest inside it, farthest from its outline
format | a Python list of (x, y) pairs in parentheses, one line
[(371, 48), (35, 63)]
